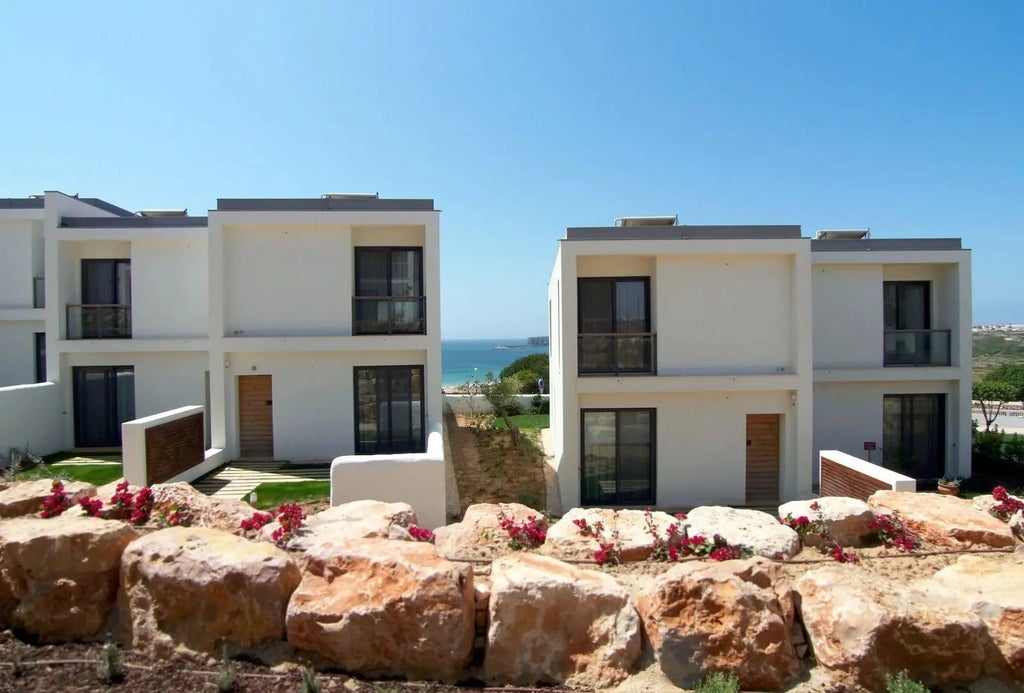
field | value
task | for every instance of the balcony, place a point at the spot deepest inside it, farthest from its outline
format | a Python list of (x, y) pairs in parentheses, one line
[(38, 292), (617, 353), (99, 321), (389, 315), (917, 347)]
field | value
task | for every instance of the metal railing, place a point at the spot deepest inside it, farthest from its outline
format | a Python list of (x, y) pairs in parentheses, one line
[(389, 315), (916, 347), (38, 292), (612, 353), (85, 321)]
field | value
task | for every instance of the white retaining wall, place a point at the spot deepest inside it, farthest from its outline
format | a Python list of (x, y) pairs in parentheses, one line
[(413, 478), (31, 415), (478, 404)]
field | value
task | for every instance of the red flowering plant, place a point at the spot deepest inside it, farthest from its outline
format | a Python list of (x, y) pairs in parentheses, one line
[(839, 554), (420, 533), (122, 499), (808, 527), (607, 547), (173, 515), (91, 506), (255, 523), (607, 552), (55, 503), (142, 506), (523, 535), (1006, 505), (589, 530), (290, 518), (891, 531)]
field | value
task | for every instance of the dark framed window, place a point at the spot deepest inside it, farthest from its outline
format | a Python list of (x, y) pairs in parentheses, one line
[(104, 398), (618, 460), (40, 344), (388, 297), (389, 409), (106, 308), (909, 337), (914, 435), (907, 305), (614, 319)]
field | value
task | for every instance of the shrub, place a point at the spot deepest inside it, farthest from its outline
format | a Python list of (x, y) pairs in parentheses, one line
[(309, 684), (890, 530), (290, 518), (522, 535), (1005, 505), (718, 682), (528, 369), (91, 506), (902, 683), (420, 533), (55, 503), (110, 669)]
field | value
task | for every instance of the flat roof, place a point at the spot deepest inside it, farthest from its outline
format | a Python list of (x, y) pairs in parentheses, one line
[(853, 245), (318, 204), (21, 203), (39, 203), (132, 222), (668, 233)]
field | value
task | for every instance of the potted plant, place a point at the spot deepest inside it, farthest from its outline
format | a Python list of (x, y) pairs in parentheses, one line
[(949, 486)]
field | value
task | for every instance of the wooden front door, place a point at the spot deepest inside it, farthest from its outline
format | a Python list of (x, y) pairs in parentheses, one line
[(256, 415), (763, 458)]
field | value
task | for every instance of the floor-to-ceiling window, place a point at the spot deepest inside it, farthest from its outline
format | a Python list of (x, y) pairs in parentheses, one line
[(618, 456), (389, 409), (388, 296), (914, 435), (104, 399), (615, 325)]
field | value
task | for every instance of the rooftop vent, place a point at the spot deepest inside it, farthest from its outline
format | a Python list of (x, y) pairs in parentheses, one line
[(163, 212), (350, 196), (843, 234), (647, 221)]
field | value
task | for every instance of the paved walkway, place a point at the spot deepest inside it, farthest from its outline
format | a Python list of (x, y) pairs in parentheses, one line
[(238, 478)]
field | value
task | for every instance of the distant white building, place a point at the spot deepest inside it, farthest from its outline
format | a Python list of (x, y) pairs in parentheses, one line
[(308, 328), (709, 364)]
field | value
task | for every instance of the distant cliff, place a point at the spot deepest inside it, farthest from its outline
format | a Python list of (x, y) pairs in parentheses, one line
[(537, 341)]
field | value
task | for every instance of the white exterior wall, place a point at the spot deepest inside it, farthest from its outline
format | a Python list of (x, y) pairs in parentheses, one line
[(17, 352), (31, 418), (17, 240), (169, 288), (848, 322)]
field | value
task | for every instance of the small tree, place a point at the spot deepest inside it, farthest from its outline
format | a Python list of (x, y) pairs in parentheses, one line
[(1013, 375), (992, 394)]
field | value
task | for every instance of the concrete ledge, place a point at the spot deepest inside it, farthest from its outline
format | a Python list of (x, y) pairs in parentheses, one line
[(413, 478), (845, 475)]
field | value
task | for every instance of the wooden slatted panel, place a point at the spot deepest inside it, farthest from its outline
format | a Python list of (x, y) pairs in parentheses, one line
[(763, 457), (256, 415), (840, 480)]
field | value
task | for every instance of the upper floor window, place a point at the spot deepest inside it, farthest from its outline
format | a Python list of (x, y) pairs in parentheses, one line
[(106, 308), (909, 337), (389, 291), (615, 325), (907, 305)]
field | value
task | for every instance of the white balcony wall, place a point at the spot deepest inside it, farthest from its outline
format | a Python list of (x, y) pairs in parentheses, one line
[(848, 322), (17, 353), (169, 288), (16, 263), (724, 314)]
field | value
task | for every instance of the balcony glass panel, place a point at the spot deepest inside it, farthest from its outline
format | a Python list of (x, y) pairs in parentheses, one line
[(616, 353), (390, 315), (99, 321), (917, 347)]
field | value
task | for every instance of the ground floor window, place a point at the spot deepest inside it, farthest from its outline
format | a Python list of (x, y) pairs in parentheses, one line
[(618, 456), (914, 435), (104, 398), (389, 409)]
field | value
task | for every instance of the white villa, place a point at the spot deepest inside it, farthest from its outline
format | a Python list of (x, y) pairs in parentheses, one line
[(710, 364), (306, 328)]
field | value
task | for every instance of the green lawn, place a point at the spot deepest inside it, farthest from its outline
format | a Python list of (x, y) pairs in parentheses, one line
[(526, 421), (96, 474), (271, 495)]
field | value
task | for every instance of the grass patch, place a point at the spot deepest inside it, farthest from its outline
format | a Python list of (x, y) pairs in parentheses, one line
[(526, 421), (96, 474), (272, 494)]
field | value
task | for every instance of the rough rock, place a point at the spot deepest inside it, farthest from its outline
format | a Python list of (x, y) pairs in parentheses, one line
[(363, 519), (479, 534), (551, 622), (626, 528), (734, 616), (760, 532), (201, 588), (986, 502), (58, 577), (384, 608), (862, 625), (215, 513), (26, 497), (995, 592), (1016, 526), (845, 519), (943, 520)]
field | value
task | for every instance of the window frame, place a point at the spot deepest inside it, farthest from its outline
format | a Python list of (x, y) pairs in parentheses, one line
[(652, 498), (927, 285), (648, 331), (357, 274), (907, 416), (390, 450)]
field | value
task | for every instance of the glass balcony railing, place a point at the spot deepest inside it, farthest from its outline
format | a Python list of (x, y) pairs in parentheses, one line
[(38, 292), (389, 315), (917, 347), (99, 321), (615, 353)]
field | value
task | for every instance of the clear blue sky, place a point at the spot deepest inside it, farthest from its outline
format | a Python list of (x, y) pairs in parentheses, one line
[(522, 118)]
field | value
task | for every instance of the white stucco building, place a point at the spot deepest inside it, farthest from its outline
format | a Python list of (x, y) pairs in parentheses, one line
[(307, 328), (709, 364)]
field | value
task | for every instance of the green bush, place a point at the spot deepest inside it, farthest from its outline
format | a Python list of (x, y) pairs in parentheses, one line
[(528, 369), (718, 682), (902, 683)]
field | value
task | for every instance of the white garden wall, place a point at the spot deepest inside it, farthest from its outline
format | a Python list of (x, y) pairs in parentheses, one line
[(31, 417)]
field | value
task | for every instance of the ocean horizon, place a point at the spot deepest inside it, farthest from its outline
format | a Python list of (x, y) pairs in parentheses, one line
[(465, 360)]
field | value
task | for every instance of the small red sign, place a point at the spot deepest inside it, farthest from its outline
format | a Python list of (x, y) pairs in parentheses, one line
[(870, 445)]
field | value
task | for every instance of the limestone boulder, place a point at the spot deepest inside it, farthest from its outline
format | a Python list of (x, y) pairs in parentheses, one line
[(945, 521), (26, 497), (554, 623), (363, 519), (59, 576), (384, 608), (1016, 526), (629, 530), (994, 590), (733, 616), (862, 625), (845, 519), (200, 588), (758, 531), (225, 514), (986, 502), (479, 534)]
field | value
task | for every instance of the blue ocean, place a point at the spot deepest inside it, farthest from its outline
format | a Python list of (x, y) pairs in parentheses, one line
[(465, 360)]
